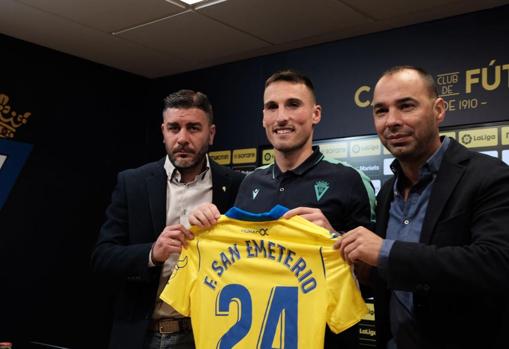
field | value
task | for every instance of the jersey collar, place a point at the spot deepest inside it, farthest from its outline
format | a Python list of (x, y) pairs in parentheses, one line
[(309, 163)]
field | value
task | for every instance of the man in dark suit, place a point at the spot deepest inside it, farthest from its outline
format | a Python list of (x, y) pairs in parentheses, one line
[(441, 249), (147, 223)]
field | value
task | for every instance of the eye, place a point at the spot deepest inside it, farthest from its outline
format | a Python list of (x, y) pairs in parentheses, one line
[(270, 106), (379, 112), (172, 128), (293, 103), (407, 104), (194, 128)]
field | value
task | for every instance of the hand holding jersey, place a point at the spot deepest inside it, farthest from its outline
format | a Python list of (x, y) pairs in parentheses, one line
[(283, 275), (171, 240), (206, 215), (360, 245)]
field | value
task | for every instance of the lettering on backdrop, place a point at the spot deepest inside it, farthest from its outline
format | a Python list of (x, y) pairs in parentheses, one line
[(460, 89)]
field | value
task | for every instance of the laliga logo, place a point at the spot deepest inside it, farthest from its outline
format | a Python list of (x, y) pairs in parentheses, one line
[(10, 120)]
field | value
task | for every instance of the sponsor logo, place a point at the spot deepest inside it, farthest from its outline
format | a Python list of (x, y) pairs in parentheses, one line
[(255, 193), (369, 168), (334, 150), (365, 147), (370, 316), (367, 332), (259, 231), (268, 156), (479, 138), (221, 157), (244, 156)]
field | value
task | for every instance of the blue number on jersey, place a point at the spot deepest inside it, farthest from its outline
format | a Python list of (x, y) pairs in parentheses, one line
[(282, 309), (240, 295)]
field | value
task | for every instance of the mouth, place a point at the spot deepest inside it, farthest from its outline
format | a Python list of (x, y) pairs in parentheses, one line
[(183, 153), (398, 139), (283, 130)]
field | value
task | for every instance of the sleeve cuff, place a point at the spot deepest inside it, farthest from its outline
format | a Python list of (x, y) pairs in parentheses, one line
[(383, 259)]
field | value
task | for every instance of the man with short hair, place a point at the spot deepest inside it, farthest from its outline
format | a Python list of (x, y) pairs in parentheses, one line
[(440, 255), (323, 191), (147, 219)]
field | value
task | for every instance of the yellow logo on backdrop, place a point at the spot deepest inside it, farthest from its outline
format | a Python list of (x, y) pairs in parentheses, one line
[(370, 316), (267, 156), (10, 120), (223, 157), (505, 135), (334, 150), (244, 156), (478, 138), (365, 147)]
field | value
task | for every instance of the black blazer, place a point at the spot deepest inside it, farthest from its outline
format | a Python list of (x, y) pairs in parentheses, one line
[(459, 272), (135, 218)]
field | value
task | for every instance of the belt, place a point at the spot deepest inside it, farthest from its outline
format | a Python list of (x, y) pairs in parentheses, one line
[(168, 326)]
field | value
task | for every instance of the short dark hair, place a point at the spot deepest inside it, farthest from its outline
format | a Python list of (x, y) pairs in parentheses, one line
[(187, 99), (427, 77), (292, 76)]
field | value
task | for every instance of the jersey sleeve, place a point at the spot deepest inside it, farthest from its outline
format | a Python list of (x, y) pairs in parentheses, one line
[(346, 306), (177, 292)]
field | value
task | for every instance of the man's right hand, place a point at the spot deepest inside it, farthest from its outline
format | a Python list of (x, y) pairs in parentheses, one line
[(171, 240), (204, 215)]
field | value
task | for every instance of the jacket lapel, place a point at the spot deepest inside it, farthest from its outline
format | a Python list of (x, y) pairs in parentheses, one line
[(156, 187), (221, 183), (449, 175), (384, 199)]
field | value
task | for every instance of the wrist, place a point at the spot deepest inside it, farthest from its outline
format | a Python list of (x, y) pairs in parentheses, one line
[(152, 259)]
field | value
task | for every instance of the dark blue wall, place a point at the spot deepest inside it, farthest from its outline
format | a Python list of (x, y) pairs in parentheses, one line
[(339, 68), (84, 127)]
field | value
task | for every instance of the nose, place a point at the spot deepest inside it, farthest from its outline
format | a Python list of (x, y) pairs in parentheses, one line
[(281, 116), (393, 118), (183, 137)]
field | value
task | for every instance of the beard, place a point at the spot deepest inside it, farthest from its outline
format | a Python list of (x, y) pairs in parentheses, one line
[(192, 159)]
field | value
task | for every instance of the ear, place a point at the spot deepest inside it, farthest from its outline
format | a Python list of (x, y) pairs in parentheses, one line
[(439, 110), (162, 130), (317, 114), (212, 134)]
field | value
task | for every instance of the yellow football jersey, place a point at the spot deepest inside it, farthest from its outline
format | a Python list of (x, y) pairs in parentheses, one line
[(261, 281)]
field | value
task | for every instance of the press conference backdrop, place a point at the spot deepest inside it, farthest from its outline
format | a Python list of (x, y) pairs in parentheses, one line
[(70, 125)]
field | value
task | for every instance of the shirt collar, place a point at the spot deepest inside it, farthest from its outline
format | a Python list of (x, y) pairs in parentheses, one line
[(174, 175), (309, 163)]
